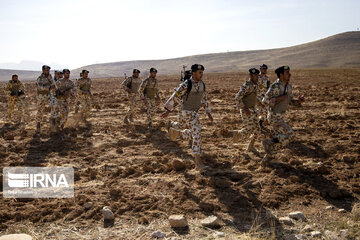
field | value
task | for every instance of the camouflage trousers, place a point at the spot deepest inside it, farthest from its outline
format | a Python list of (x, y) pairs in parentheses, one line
[(263, 113), (281, 130), (251, 127), (62, 110), (42, 100), (15, 101), (151, 108), (192, 130), (133, 104), (83, 104), (179, 124)]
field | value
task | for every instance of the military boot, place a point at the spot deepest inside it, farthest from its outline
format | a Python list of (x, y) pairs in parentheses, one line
[(251, 148)]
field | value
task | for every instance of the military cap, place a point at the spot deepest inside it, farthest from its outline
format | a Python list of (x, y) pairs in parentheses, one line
[(56, 71), (281, 70), (84, 70), (264, 66), (254, 71), (61, 72), (45, 67), (196, 67), (153, 70), (136, 71), (66, 70), (188, 72), (15, 75)]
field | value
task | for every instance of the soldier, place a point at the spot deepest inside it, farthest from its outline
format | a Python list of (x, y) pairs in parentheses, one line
[(56, 75), (65, 90), (263, 86), (77, 102), (131, 85), (61, 74), (246, 100), (45, 88), (15, 91), (149, 93), (277, 98), (83, 95), (177, 103), (193, 95)]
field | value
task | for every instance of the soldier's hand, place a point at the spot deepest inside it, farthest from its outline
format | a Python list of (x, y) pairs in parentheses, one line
[(210, 117), (165, 114)]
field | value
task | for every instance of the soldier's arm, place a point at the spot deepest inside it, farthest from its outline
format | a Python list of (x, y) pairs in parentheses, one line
[(178, 92), (243, 90), (269, 95), (296, 102), (142, 88), (7, 89), (125, 83), (205, 103)]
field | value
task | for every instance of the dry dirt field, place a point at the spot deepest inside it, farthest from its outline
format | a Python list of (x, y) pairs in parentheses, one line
[(144, 177)]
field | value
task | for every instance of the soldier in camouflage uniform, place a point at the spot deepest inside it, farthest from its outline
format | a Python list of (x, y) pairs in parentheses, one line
[(65, 90), (263, 86), (83, 95), (246, 100), (56, 75), (277, 98), (15, 92), (149, 93), (177, 102), (193, 95), (45, 89), (131, 85)]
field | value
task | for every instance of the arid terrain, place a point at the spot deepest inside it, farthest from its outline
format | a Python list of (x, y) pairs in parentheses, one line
[(144, 177)]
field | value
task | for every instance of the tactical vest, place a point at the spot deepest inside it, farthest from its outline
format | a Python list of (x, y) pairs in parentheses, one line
[(249, 99), (85, 85), (192, 100), (135, 84), (150, 90), (15, 86), (281, 107)]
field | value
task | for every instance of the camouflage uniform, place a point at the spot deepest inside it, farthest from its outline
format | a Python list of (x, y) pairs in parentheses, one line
[(263, 86), (15, 91), (247, 96), (83, 97), (191, 104), (282, 132), (65, 88), (132, 84), (44, 96), (148, 90)]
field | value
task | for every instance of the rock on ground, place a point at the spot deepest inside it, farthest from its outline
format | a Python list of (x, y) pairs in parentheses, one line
[(286, 221), (211, 221), (16, 237), (297, 216), (178, 221), (158, 234)]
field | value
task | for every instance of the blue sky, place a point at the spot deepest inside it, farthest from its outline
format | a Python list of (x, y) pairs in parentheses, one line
[(77, 33)]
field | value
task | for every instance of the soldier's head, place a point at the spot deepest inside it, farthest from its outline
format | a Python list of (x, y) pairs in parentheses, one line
[(57, 74), (81, 74), (66, 73), (46, 70), (263, 69), (85, 73), (14, 77), (197, 71), (283, 73), (136, 73), (153, 72), (254, 74), (61, 73)]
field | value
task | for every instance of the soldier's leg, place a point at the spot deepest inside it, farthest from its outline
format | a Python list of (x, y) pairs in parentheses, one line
[(150, 111), (20, 107), (283, 133), (11, 106), (87, 104), (248, 126), (41, 101)]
